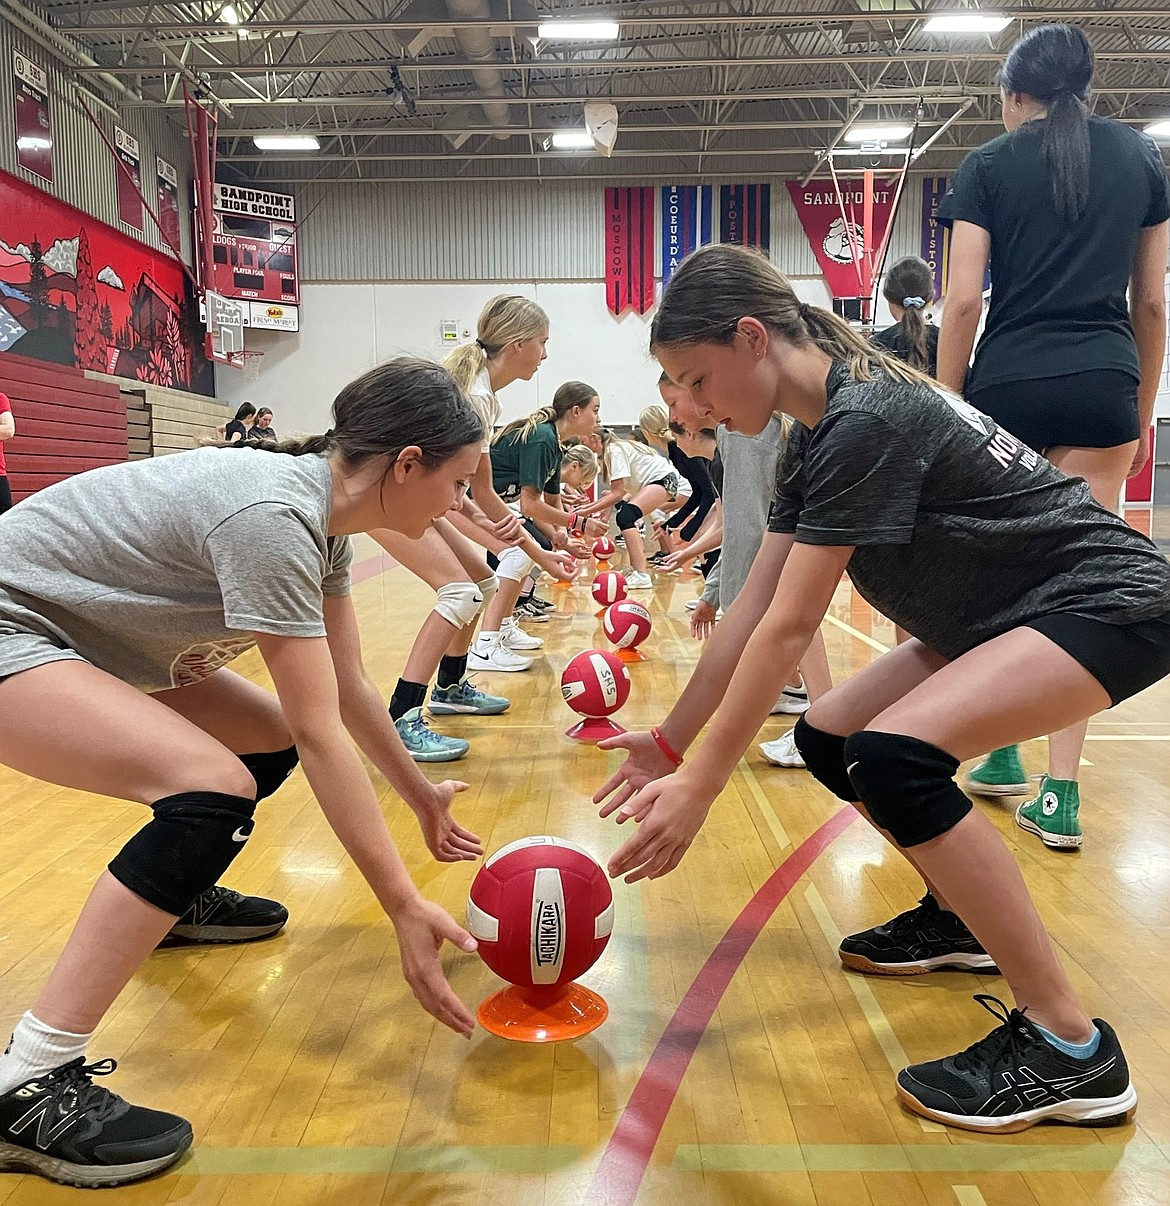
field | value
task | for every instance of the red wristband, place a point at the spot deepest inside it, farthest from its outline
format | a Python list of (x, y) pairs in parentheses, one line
[(671, 754)]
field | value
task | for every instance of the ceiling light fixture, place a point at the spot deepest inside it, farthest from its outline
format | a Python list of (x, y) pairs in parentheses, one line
[(966, 22), (862, 133), (286, 142), (572, 140), (228, 15), (1159, 129), (578, 31)]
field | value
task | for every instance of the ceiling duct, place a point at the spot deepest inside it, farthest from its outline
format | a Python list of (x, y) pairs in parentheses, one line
[(478, 45)]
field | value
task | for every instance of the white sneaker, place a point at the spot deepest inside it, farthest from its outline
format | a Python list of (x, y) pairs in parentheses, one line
[(783, 751), (793, 701), (512, 636), (493, 654), (639, 581)]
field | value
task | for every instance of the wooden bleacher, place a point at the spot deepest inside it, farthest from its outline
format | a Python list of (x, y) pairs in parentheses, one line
[(165, 420)]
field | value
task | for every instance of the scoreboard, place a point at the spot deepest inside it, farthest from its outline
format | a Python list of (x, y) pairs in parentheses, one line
[(254, 245)]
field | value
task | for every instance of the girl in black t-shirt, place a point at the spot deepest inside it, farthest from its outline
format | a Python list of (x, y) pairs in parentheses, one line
[(916, 494), (908, 290), (1070, 211), (237, 430)]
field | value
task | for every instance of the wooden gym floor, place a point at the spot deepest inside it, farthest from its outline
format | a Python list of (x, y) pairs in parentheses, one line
[(739, 1064)]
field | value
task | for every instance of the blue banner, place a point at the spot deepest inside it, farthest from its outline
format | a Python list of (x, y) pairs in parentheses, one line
[(686, 223)]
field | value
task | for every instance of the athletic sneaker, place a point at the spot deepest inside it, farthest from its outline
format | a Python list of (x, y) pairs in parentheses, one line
[(793, 701), (540, 604), (220, 915), (64, 1127), (516, 639), (529, 614), (423, 744), (1052, 815), (464, 698), (783, 751), (923, 939), (1015, 1078), (637, 580), (492, 655), (1001, 773)]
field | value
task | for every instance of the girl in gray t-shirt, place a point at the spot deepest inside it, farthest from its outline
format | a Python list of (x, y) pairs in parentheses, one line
[(991, 558), (124, 593)]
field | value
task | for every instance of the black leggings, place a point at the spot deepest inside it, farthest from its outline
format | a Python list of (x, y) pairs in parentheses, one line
[(5, 494)]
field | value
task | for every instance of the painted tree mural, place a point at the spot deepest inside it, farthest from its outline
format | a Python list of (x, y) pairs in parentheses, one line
[(88, 345)]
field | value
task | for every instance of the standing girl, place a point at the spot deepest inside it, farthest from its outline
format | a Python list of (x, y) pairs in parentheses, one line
[(124, 593), (1070, 211), (909, 290)]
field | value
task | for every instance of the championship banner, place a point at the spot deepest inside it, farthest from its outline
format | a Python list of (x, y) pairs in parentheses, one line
[(936, 239), (34, 135), (686, 223), (168, 200), (840, 249), (746, 214), (129, 175), (629, 249)]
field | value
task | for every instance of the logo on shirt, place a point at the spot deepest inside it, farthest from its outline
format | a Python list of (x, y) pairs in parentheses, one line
[(198, 662)]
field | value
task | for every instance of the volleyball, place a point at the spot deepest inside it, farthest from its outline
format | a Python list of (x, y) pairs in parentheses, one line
[(609, 587), (541, 910), (627, 624), (603, 547), (595, 683)]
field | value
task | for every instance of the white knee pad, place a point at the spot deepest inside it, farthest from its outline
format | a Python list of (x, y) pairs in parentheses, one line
[(459, 602), (488, 588), (514, 564)]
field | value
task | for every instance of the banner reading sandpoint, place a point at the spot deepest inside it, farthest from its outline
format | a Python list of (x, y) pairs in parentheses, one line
[(629, 249)]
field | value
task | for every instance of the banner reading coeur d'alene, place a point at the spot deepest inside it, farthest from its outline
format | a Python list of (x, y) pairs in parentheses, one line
[(838, 249), (746, 214), (686, 223), (936, 239), (629, 249)]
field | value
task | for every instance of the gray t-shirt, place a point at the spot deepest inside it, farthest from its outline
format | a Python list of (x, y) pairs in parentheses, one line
[(158, 571), (961, 532)]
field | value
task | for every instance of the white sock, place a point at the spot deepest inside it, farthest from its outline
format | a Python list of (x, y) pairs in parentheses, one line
[(35, 1049), (486, 640)]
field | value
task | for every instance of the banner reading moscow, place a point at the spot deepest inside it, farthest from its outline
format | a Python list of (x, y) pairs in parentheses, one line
[(686, 223), (629, 249), (835, 226), (746, 214)]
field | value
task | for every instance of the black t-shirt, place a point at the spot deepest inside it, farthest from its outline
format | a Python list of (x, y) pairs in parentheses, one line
[(1058, 288), (894, 342), (234, 428), (961, 532), (695, 469), (262, 435)]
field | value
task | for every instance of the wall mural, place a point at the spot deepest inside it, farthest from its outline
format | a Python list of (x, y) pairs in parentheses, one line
[(75, 291)]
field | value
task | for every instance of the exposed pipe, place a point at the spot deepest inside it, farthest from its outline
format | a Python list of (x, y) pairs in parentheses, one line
[(477, 43)]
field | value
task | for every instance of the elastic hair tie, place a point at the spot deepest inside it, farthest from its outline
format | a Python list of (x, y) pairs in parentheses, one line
[(914, 303), (479, 343), (329, 434)]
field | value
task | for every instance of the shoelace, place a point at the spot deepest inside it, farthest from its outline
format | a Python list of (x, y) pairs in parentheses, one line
[(1006, 1045), (428, 735), (73, 1086), (218, 894), (911, 918)]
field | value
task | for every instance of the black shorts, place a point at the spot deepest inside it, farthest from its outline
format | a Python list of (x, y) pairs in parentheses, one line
[(1123, 658), (1097, 409), (5, 494)]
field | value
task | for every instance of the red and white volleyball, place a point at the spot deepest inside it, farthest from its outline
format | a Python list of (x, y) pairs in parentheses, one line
[(603, 547), (627, 624), (609, 587), (542, 911), (595, 683)]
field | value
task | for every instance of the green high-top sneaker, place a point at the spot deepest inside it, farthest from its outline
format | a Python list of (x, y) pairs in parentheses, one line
[(1001, 773), (1052, 815)]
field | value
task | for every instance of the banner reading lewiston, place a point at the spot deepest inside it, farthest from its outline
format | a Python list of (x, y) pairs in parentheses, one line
[(936, 243), (686, 223), (746, 214), (629, 249)]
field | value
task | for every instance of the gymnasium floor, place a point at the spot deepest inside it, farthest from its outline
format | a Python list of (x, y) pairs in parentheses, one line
[(739, 1064)]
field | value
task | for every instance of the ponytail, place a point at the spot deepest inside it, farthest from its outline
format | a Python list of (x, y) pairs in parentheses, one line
[(570, 394), (909, 284), (1065, 148)]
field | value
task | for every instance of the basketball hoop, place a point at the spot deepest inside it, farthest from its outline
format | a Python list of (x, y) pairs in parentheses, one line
[(225, 329)]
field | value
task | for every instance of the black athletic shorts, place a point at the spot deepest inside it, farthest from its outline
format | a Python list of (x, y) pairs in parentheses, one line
[(1123, 658), (5, 494), (1097, 409)]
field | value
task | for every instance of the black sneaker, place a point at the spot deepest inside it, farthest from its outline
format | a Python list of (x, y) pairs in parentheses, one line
[(529, 614), (923, 939), (1015, 1078), (541, 604), (64, 1127), (221, 915)]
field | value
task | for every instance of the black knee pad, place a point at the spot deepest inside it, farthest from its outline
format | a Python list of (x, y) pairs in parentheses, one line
[(627, 515), (270, 770), (188, 845), (907, 785), (824, 755)]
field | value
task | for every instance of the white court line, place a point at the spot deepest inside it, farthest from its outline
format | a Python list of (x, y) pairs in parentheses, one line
[(968, 1195), (765, 805), (861, 636)]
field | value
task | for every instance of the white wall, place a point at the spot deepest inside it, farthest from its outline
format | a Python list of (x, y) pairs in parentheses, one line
[(346, 329)]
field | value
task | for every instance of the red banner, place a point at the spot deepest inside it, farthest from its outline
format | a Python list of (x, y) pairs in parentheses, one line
[(129, 174), (629, 249), (835, 224)]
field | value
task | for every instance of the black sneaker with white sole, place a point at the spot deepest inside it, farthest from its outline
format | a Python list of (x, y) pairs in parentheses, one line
[(64, 1127), (1015, 1078), (923, 939), (220, 915), (540, 604)]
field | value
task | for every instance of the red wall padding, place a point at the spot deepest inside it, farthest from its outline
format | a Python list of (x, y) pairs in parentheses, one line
[(65, 423)]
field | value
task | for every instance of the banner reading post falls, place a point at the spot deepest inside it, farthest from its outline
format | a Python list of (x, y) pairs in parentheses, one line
[(629, 249), (841, 244)]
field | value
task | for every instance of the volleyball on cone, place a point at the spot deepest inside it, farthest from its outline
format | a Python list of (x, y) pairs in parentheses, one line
[(609, 587), (603, 548), (627, 624)]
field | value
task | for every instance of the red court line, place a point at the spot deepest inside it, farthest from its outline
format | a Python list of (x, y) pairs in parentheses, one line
[(627, 1155), (371, 567)]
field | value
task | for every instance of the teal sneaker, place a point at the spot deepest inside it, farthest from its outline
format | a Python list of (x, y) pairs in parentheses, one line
[(1001, 773), (1052, 815), (424, 745), (464, 698)]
